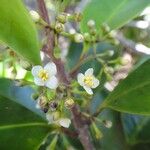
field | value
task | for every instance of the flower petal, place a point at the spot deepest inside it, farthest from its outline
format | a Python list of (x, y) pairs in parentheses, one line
[(51, 68), (89, 72), (38, 81), (88, 90), (80, 79), (52, 83), (35, 70), (65, 122), (95, 83)]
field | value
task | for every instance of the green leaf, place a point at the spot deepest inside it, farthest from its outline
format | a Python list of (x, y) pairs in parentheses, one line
[(115, 13), (18, 31), (132, 94), (21, 95), (20, 128), (136, 128)]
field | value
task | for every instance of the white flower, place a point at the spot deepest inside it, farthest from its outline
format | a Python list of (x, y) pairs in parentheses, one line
[(88, 81), (64, 122), (45, 76)]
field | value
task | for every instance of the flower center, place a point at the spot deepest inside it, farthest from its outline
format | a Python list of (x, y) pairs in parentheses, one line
[(88, 80), (43, 75)]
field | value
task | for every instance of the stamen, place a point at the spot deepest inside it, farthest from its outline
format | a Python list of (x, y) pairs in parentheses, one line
[(43, 75), (88, 80)]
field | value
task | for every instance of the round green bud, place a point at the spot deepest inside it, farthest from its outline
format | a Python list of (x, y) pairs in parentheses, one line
[(87, 37), (78, 38), (62, 18), (59, 27), (78, 16), (35, 16), (91, 23), (107, 123), (69, 103)]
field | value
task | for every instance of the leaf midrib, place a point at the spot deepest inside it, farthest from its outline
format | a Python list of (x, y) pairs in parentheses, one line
[(116, 10), (21, 125)]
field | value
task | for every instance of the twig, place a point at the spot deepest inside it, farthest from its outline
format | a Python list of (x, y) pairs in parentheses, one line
[(48, 47), (82, 128)]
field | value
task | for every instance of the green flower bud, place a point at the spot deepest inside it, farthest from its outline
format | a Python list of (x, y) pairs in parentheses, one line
[(98, 133), (87, 37), (35, 16), (78, 38), (91, 23), (59, 27), (110, 53), (78, 16), (62, 18), (107, 123), (69, 103)]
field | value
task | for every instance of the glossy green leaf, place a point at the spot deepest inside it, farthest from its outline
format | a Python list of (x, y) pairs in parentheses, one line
[(136, 128), (115, 13), (132, 94), (18, 31), (20, 128), (21, 95)]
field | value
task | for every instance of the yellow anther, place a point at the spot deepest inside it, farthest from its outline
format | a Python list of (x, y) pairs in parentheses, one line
[(88, 80), (43, 75)]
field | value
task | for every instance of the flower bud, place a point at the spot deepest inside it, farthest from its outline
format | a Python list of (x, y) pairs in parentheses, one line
[(69, 103), (35, 16), (59, 27), (110, 53), (91, 23), (124, 61), (105, 28), (107, 123), (87, 37), (78, 16), (93, 32), (97, 132), (78, 38), (62, 18)]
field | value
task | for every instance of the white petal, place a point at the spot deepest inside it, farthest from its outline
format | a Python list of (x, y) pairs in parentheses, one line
[(65, 122), (80, 79), (35, 70), (89, 72), (95, 83), (51, 68), (38, 81), (88, 90), (52, 83), (49, 117)]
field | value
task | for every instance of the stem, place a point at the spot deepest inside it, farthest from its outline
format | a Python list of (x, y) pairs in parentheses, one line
[(82, 128), (48, 48)]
